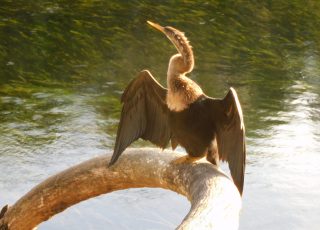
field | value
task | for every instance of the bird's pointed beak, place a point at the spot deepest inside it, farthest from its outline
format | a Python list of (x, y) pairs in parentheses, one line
[(157, 26)]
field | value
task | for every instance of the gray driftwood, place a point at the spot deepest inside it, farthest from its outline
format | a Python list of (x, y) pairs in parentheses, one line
[(215, 201)]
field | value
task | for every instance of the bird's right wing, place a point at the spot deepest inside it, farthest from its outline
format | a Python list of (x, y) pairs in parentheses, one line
[(144, 114), (230, 130)]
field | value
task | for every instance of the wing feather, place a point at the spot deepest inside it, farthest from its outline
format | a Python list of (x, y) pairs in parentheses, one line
[(231, 135), (144, 114)]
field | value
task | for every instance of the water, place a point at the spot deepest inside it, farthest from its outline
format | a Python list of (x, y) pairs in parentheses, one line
[(64, 66)]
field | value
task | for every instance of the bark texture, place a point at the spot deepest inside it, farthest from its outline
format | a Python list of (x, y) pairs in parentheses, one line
[(215, 201)]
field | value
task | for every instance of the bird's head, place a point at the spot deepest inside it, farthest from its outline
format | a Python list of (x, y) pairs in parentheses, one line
[(180, 42)]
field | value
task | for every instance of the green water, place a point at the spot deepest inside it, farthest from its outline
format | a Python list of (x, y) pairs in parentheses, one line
[(64, 65)]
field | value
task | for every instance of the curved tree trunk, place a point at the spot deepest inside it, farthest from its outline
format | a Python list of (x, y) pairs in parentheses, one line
[(215, 201)]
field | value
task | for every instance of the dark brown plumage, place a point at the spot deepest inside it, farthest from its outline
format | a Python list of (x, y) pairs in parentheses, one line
[(204, 126)]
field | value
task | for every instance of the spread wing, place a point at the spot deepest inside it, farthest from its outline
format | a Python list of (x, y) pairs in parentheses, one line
[(230, 128), (144, 114)]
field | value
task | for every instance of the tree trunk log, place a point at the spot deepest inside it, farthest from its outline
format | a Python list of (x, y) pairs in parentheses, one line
[(215, 201)]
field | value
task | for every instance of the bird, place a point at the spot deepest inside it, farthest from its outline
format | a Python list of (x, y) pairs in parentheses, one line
[(183, 114)]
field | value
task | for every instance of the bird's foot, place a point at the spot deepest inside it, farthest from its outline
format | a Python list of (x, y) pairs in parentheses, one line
[(186, 160)]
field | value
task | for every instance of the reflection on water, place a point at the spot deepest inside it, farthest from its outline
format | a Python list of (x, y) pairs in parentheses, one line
[(286, 158), (130, 209), (64, 66)]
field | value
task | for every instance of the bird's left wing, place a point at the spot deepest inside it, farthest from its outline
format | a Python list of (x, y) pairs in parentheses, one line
[(144, 114), (230, 136)]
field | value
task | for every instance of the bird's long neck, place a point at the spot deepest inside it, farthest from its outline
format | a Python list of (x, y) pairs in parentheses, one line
[(185, 50), (182, 91), (181, 43), (183, 62), (176, 68)]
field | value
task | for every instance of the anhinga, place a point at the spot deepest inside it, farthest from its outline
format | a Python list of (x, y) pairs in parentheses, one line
[(204, 126)]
